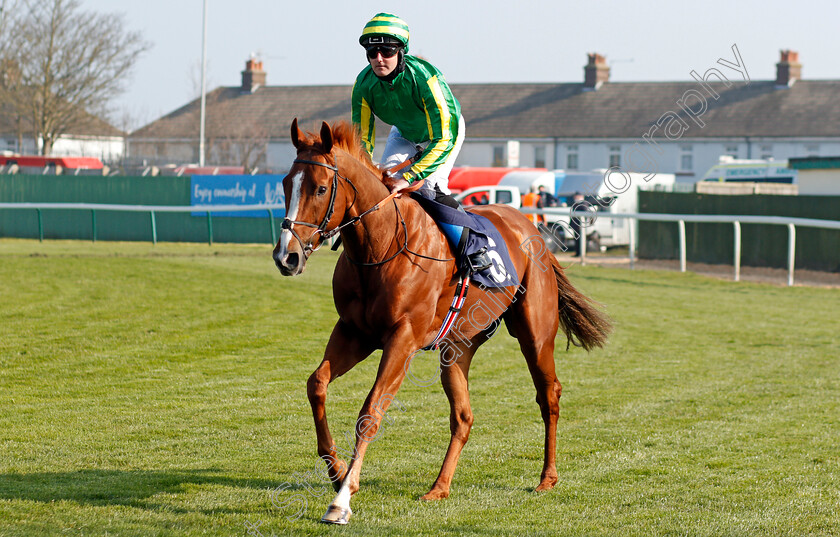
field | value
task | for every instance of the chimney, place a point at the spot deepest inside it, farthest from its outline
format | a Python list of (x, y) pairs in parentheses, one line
[(596, 72), (788, 70), (253, 76)]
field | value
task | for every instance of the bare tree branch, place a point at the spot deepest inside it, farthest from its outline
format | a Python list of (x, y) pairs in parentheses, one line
[(71, 63), (10, 72)]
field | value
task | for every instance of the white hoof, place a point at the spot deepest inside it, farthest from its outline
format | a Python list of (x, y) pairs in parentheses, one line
[(336, 515)]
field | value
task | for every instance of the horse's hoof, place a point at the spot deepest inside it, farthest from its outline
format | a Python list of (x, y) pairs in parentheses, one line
[(336, 515), (547, 484), (433, 495)]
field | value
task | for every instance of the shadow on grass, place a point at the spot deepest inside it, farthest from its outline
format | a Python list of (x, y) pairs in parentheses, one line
[(117, 487), (631, 279)]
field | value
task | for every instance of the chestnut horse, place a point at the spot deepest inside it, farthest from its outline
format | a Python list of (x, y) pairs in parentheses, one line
[(393, 286)]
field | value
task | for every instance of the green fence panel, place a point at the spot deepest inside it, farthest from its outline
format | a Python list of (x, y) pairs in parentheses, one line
[(763, 245), (111, 225)]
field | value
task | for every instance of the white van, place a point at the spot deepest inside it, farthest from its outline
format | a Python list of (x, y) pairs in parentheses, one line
[(529, 181), (483, 195), (510, 189), (729, 169), (616, 193), (604, 232)]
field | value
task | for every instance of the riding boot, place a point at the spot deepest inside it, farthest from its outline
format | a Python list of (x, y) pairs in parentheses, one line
[(447, 199), (457, 235)]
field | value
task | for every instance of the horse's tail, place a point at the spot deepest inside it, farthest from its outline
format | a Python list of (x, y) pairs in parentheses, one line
[(583, 323)]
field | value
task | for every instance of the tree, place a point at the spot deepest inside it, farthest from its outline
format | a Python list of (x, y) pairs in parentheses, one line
[(9, 76), (68, 64), (7, 8)]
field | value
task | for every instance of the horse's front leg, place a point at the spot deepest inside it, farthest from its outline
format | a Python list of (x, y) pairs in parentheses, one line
[(389, 378), (344, 350)]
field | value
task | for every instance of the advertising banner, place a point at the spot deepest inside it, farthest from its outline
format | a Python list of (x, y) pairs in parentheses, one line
[(238, 190)]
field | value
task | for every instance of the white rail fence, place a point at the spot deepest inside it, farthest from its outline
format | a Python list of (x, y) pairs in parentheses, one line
[(680, 219)]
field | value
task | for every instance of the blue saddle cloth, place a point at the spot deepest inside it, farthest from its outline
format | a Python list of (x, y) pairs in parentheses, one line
[(483, 234)]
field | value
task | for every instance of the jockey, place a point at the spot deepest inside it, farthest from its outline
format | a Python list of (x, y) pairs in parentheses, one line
[(411, 94)]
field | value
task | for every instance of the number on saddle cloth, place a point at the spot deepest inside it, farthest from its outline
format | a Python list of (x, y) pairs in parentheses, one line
[(482, 234)]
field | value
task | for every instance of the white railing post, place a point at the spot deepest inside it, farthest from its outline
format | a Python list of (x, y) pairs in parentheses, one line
[(791, 251), (681, 224), (582, 238), (737, 261)]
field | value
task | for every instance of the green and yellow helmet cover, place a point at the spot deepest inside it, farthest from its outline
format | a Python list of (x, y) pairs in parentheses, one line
[(387, 25)]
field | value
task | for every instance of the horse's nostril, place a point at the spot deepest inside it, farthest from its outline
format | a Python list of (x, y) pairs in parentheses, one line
[(289, 265)]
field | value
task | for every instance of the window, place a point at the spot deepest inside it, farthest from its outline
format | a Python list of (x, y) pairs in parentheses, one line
[(477, 198), (766, 151), (498, 156), (812, 150), (615, 156), (571, 157), (686, 158), (539, 156), (732, 151), (503, 197)]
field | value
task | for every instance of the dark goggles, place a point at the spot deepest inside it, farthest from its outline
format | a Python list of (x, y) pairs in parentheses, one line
[(387, 51)]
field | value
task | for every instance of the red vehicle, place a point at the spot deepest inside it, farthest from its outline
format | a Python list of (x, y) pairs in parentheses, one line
[(66, 163), (192, 169), (461, 179)]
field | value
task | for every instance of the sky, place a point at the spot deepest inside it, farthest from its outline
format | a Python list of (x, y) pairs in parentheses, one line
[(316, 42)]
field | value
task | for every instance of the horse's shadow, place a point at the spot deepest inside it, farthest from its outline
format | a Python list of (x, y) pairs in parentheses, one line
[(132, 488)]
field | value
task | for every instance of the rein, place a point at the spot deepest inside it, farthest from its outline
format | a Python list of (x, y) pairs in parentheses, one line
[(321, 229)]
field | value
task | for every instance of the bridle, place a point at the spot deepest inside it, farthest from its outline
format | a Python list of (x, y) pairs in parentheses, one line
[(325, 234), (321, 229)]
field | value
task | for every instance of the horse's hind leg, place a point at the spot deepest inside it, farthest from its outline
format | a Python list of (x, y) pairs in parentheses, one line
[(455, 365), (540, 360), (535, 332)]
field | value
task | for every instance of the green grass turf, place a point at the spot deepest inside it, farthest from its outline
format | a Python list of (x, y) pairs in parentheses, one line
[(160, 390)]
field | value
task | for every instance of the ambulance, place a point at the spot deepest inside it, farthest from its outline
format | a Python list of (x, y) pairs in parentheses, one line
[(732, 170)]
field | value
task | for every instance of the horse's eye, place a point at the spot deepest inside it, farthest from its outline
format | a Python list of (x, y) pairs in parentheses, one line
[(322, 190)]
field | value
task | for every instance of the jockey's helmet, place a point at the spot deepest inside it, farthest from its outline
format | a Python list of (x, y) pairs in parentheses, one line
[(385, 29)]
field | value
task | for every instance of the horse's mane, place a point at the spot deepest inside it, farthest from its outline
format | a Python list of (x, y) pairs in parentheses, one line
[(346, 137)]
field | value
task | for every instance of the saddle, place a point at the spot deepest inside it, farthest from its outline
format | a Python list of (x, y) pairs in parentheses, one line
[(483, 238)]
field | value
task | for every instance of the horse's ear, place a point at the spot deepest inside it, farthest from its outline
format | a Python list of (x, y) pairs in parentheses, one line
[(326, 137), (295, 134)]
